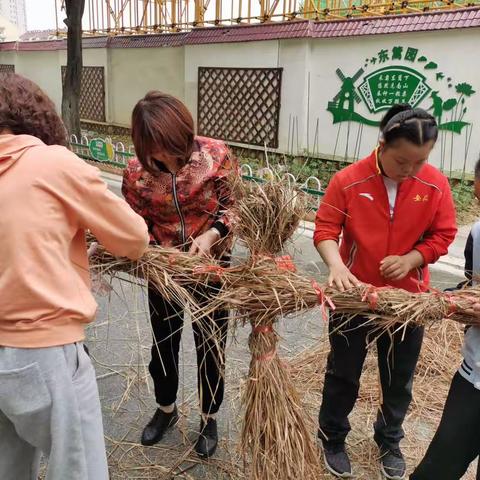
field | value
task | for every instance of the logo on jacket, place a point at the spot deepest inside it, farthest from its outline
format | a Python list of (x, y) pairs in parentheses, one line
[(366, 195), (419, 198)]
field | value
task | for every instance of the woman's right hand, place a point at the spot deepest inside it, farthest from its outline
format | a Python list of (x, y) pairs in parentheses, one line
[(340, 277)]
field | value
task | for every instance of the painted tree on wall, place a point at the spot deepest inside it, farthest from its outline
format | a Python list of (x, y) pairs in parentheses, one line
[(73, 76)]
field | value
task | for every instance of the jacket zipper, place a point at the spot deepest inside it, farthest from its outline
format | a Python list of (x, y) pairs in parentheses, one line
[(177, 206), (392, 216)]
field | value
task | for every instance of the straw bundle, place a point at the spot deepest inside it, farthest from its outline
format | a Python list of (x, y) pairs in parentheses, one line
[(277, 435), (268, 214), (168, 270), (276, 432), (264, 289)]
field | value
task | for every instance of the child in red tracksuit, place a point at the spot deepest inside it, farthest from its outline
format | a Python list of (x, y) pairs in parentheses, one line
[(396, 215)]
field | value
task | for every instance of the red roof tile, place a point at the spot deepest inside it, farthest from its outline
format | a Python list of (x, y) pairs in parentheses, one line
[(242, 33), (359, 26), (40, 35), (148, 41), (400, 23), (8, 46), (47, 45)]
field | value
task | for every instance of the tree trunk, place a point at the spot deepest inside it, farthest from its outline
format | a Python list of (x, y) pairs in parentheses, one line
[(73, 75)]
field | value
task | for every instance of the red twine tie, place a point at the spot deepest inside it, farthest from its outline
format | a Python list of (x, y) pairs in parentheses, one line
[(450, 299), (217, 271), (270, 354), (266, 356), (262, 329), (285, 262), (371, 296), (452, 307), (323, 300)]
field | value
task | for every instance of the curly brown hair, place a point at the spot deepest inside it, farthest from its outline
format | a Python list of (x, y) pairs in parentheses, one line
[(26, 109)]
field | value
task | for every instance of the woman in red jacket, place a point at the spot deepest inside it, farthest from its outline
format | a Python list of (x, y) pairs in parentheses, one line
[(396, 215), (178, 184)]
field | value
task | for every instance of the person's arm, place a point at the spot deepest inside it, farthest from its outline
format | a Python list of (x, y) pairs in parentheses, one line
[(115, 225), (328, 227), (433, 245), (227, 174), (225, 218), (442, 231), (468, 253), (130, 191)]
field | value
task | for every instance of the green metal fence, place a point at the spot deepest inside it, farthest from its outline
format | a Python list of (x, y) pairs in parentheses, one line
[(119, 156)]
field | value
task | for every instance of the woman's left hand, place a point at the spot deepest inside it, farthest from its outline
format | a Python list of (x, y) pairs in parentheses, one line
[(202, 245), (397, 267)]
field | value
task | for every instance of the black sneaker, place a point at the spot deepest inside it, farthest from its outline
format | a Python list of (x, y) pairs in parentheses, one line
[(158, 425), (208, 438), (337, 461), (392, 463)]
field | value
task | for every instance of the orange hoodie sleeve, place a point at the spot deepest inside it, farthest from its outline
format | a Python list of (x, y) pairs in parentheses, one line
[(442, 231), (116, 226), (331, 213)]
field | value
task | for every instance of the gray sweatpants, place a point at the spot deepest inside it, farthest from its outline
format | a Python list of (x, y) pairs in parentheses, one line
[(49, 404)]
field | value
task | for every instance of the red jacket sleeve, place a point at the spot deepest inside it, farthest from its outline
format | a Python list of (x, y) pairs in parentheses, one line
[(331, 213), (130, 192), (442, 231), (226, 174)]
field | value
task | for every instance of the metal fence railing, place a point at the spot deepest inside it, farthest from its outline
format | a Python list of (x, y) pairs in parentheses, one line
[(104, 151)]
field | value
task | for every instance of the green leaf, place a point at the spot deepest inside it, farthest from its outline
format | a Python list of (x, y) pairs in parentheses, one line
[(449, 104)]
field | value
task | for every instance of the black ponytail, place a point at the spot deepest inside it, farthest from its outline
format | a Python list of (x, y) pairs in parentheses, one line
[(412, 124)]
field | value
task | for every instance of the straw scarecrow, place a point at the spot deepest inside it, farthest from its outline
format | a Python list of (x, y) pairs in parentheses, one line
[(277, 435)]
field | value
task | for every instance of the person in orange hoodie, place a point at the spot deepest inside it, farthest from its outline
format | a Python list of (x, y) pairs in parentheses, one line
[(49, 400), (396, 216)]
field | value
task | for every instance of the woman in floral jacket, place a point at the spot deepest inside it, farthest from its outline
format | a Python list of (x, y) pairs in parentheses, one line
[(178, 184)]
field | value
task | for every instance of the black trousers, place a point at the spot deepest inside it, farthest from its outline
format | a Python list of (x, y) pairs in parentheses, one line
[(397, 360), (457, 441), (210, 336)]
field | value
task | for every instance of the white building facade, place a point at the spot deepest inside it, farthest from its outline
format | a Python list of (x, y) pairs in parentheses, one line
[(15, 12)]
